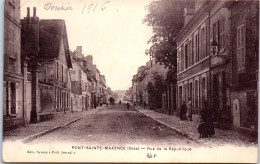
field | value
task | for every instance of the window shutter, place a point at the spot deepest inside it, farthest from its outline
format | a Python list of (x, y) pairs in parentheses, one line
[(4, 98), (9, 97), (205, 41), (217, 31), (223, 32), (57, 70), (200, 43), (60, 71), (16, 98)]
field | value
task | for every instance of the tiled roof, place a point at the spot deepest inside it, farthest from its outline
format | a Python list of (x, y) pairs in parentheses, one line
[(51, 33), (50, 37)]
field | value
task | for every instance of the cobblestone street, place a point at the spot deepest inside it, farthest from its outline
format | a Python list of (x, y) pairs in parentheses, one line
[(116, 125)]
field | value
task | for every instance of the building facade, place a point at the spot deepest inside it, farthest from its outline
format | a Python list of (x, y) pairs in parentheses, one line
[(214, 55), (193, 60), (13, 86), (48, 76), (243, 57)]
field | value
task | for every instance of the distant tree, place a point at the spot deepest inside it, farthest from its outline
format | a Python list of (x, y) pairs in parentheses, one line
[(166, 17), (115, 95), (155, 88)]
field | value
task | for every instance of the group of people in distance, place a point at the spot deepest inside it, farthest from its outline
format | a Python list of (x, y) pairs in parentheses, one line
[(206, 126), (127, 104)]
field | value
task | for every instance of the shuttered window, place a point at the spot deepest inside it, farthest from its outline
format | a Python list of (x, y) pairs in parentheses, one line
[(241, 47), (4, 99), (11, 42)]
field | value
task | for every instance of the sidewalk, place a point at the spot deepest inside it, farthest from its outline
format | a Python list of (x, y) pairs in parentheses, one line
[(189, 129), (33, 131)]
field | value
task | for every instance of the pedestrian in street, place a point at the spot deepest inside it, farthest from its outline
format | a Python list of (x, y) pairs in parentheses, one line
[(207, 118), (189, 107), (120, 102), (145, 105), (202, 129), (127, 105), (183, 111)]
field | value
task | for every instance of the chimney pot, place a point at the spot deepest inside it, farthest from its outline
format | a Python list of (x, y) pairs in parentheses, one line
[(34, 11), (28, 12)]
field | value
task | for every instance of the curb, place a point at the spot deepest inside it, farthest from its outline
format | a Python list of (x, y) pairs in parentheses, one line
[(40, 134), (194, 139)]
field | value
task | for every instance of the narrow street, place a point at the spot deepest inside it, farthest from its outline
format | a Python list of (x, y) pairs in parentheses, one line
[(115, 125)]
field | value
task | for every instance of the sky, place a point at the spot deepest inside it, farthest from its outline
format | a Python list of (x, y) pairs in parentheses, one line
[(110, 30)]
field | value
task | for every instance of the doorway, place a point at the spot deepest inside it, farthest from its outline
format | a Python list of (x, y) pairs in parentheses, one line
[(236, 113)]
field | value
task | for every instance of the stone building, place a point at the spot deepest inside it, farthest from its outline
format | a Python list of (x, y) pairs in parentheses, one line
[(13, 86), (244, 60), (103, 89), (76, 86), (81, 80), (213, 61), (140, 81), (134, 88), (193, 59), (47, 62)]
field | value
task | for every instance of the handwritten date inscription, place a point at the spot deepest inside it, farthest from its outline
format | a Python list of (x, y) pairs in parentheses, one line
[(87, 7), (51, 6), (92, 7)]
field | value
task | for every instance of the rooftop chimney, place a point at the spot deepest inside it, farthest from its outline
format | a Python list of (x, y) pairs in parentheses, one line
[(28, 15), (28, 12), (188, 14), (30, 34), (34, 12)]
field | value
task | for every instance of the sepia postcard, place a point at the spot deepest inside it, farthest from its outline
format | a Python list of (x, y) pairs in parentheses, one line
[(160, 81)]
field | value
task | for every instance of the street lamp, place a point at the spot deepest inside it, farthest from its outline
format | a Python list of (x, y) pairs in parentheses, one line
[(214, 47), (215, 52)]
